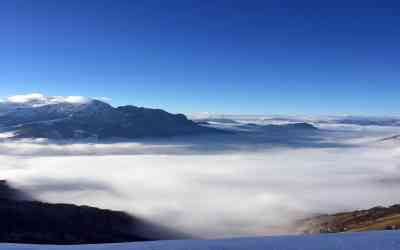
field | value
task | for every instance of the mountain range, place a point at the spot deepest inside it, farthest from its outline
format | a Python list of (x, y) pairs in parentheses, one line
[(90, 118), (38, 116)]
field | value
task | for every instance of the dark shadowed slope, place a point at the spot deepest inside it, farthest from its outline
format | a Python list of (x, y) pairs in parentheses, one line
[(9, 193), (27, 221)]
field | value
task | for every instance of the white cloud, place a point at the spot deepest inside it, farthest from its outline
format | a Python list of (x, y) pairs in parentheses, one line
[(72, 99), (214, 186), (200, 115), (27, 98), (6, 135), (37, 99), (243, 192), (104, 99)]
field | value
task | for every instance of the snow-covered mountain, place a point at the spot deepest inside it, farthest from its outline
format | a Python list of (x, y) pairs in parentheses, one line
[(38, 116)]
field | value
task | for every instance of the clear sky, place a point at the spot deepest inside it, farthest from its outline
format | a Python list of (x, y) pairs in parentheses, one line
[(254, 57)]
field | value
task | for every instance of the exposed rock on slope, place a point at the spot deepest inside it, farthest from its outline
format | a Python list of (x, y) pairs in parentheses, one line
[(377, 218)]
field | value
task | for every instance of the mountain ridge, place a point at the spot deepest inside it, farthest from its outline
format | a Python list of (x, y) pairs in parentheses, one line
[(94, 119)]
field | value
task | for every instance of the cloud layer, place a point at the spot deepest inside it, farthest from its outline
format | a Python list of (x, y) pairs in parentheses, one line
[(215, 186), (218, 194)]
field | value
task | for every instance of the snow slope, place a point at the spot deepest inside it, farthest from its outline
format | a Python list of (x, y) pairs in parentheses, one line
[(383, 240)]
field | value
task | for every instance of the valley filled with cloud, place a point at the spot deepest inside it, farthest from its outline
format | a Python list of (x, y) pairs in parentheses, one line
[(240, 184)]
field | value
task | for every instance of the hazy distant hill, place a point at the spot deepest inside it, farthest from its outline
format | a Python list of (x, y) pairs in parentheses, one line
[(370, 121)]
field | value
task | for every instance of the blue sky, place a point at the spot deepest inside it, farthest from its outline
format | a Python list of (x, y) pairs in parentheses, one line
[(254, 57)]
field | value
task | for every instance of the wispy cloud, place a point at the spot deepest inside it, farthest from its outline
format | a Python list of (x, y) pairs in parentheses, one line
[(103, 98)]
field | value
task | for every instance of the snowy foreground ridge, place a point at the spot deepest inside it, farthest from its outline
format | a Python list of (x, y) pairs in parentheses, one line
[(384, 240)]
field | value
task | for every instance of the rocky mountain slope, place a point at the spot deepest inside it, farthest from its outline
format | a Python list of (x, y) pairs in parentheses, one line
[(377, 218)]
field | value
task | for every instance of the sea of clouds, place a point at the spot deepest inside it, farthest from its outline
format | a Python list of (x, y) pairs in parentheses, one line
[(196, 186)]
